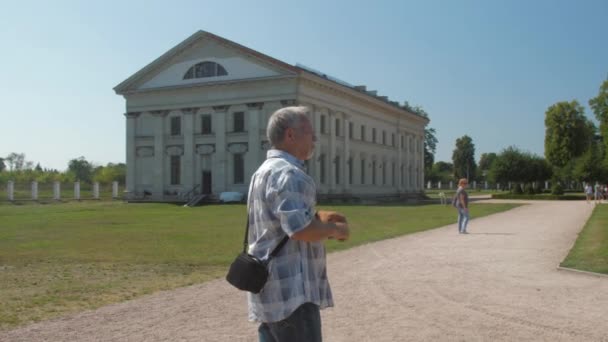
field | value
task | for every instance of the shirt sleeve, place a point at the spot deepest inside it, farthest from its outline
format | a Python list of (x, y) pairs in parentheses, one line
[(291, 204)]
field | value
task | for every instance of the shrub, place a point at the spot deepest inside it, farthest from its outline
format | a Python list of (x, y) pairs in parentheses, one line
[(516, 189), (529, 189), (557, 189)]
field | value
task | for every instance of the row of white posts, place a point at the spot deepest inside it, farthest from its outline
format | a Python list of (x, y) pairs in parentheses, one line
[(474, 185), (10, 187)]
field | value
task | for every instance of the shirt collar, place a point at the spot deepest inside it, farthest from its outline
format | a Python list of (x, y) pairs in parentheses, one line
[(273, 153)]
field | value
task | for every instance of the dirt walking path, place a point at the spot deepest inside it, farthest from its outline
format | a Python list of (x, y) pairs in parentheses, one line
[(499, 283)]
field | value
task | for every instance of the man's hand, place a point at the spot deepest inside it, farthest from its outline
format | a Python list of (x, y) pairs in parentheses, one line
[(330, 216), (342, 232)]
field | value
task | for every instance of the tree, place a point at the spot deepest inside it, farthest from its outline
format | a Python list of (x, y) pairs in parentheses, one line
[(599, 105), (463, 158), (513, 165), (486, 160), (430, 147), (38, 168), (15, 161), (568, 133), (110, 173), (510, 165), (2, 165), (81, 169), (589, 166)]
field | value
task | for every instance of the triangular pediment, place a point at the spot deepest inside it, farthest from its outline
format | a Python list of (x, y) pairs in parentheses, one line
[(239, 63)]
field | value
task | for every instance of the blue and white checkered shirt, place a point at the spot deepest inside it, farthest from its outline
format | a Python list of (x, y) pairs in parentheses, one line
[(281, 201)]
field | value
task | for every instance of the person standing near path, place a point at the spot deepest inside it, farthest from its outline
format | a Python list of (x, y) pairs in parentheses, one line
[(282, 199), (588, 191), (462, 204), (597, 193)]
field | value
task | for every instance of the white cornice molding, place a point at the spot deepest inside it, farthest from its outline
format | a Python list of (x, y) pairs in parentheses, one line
[(354, 94), (211, 84)]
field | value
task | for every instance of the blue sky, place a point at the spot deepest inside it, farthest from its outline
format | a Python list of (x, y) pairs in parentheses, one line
[(488, 69)]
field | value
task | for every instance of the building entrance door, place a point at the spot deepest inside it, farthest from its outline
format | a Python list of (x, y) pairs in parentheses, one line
[(206, 182)]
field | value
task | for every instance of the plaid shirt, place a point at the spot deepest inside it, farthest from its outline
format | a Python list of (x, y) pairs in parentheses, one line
[(281, 201)]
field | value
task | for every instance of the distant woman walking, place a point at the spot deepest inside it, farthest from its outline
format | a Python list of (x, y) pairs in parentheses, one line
[(461, 202)]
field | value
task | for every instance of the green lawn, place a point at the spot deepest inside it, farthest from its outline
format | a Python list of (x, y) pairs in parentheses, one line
[(61, 258), (590, 252)]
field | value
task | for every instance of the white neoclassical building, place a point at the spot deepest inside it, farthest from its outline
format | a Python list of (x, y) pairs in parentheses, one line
[(196, 120)]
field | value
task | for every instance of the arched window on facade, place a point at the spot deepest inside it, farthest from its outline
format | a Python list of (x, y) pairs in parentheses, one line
[(205, 69)]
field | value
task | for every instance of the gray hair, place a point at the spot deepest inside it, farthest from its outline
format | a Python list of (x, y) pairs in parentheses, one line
[(281, 120)]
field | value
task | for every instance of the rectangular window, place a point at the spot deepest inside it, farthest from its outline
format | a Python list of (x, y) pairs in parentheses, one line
[(337, 127), (373, 135), (383, 173), (176, 125), (383, 138), (393, 140), (402, 143), (394, 174), (322, 167), (322, 124), (362, 133), (374, 173), (350, 170), (175, 170), (239, 121), (239, 169), (362, 171), (337, 170), (351, 128), (206, 124)]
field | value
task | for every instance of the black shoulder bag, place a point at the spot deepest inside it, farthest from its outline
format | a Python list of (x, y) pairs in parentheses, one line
[(249, 273)]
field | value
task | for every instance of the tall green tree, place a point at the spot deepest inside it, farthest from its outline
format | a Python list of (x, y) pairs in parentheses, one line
[(2, 165), (430, 147), (568, 133), (599, 105), (81, 169), (463, 158)]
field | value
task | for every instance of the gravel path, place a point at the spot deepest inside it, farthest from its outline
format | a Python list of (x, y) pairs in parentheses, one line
[(499, 283)]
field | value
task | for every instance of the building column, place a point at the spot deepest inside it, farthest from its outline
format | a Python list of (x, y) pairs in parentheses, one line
[(131, 118), (253, 155), (314, 167), (346, 169), (331, 161), (188, 163), (220, 170), (421, 164), (406, 165), (159, 154), (399, 163)]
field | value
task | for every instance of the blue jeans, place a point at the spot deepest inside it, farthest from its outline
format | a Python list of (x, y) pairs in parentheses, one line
[(463, 219), (303, 325)]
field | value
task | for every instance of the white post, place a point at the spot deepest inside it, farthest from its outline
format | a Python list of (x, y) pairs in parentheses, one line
[(114, 189), (451, 185), (428, 185), (475, 184), (497, 186), (77, 191), (486, 185), (10, 188), (509, 185), (57, 191), (96, 190), (439, 185), (35, 190), (546, 185)]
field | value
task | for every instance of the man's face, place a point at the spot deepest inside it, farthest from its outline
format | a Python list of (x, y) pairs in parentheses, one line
[(304, 139)]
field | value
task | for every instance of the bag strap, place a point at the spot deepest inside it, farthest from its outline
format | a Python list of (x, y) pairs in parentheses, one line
[(276, 249)]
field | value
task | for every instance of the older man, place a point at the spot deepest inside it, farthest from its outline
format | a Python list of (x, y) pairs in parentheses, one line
[(281, 202)]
